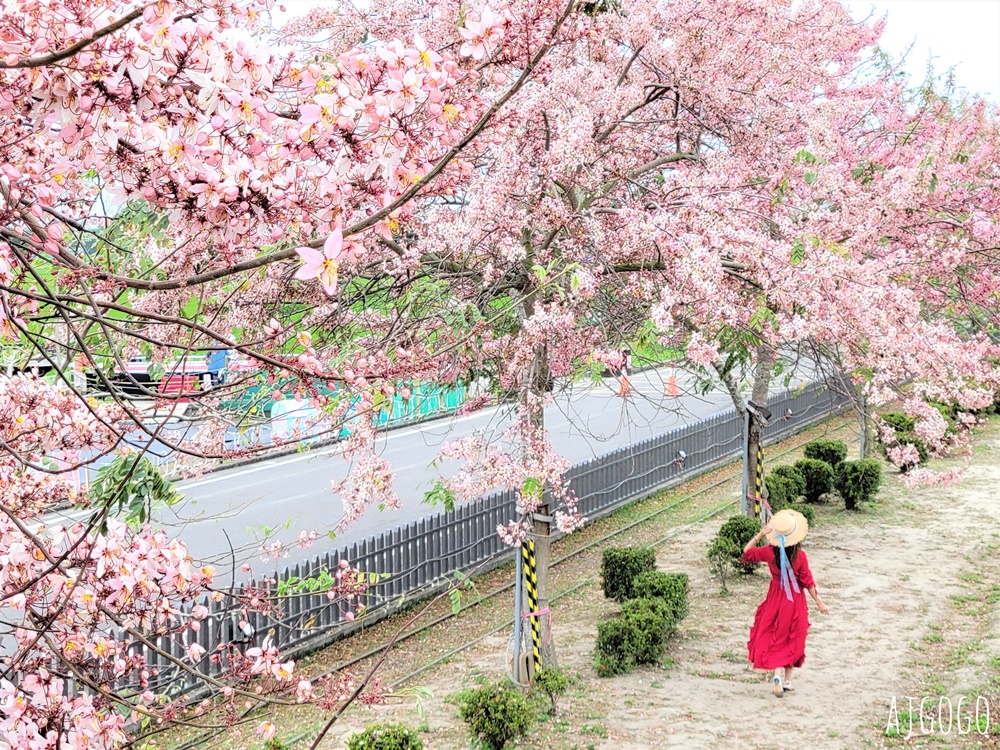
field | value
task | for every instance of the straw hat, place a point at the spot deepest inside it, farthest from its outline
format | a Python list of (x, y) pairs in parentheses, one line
[(788, 523)]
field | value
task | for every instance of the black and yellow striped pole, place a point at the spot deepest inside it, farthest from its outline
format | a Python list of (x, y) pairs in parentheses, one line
[(759, 482), (754, 415), (531, 578)]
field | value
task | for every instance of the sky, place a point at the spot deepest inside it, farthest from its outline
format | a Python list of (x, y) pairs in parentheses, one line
[(960, 33)]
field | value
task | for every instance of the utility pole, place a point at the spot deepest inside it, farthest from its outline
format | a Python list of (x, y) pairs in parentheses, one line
[(542, 534), (755, 419)]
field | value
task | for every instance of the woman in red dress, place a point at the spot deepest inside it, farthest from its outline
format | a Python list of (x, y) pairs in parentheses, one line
[(778, 636)]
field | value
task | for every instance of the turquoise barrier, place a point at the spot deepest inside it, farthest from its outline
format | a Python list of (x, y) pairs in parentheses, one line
[(426, 401)]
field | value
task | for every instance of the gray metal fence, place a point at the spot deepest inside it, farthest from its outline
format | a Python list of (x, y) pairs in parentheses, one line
[(421, 557)]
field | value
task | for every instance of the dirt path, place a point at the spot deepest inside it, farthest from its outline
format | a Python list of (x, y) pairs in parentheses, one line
[(913, 587)]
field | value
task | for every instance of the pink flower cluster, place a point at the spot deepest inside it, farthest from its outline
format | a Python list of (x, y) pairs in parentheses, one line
[(921, 477), (700, 352), (39, 421), (522, 459)]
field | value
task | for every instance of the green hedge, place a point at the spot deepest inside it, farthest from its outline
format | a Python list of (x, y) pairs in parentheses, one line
[(740, 530), (831, 451), (640, 633), (619, 568), (619, 642), (654, 619), (496, 714), (781, 491), (671, 588), (385, 737), (859, 481), (794, 476), (819, 478)]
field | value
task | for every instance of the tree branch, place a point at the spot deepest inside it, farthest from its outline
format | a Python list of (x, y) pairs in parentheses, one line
[(53, 57)]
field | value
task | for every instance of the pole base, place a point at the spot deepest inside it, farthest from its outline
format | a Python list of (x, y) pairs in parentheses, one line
[(526, 669)]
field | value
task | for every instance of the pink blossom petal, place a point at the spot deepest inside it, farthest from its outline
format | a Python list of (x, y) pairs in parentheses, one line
[(334, 244), (310, 256)]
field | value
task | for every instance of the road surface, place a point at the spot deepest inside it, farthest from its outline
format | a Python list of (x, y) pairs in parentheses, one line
[(227, 514)]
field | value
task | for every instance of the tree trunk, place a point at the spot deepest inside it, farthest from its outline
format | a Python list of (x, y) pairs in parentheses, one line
[(763, 370), (758, 394)]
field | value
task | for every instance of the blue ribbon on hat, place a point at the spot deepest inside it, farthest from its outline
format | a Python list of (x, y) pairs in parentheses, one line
[(788, 582)]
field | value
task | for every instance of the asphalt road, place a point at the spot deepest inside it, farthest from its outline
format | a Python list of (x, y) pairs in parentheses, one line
[(227, 514)]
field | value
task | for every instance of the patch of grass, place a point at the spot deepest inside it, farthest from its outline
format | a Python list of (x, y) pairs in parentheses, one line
[(711, 674), (906, 720), (934, 638), (964, 598), (935, 686), (963, 654), (457, 699), (598, 730)]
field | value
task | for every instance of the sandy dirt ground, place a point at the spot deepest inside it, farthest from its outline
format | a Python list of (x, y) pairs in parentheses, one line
[(912, 583)]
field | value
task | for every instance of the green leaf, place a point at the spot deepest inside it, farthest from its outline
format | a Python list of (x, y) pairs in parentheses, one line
[(190, 308), (809, 178), (798, 251), (805, 157), (934, 182), (763, 314), (440, 494), (532, 488), (132, 486)]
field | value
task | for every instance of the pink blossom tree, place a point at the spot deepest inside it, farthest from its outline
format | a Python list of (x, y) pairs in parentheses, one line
[(228, 161), (514, 188), (647, 176), (660, 171), (878, 229)]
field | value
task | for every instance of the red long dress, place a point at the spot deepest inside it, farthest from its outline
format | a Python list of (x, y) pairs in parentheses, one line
[(778, 635)]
